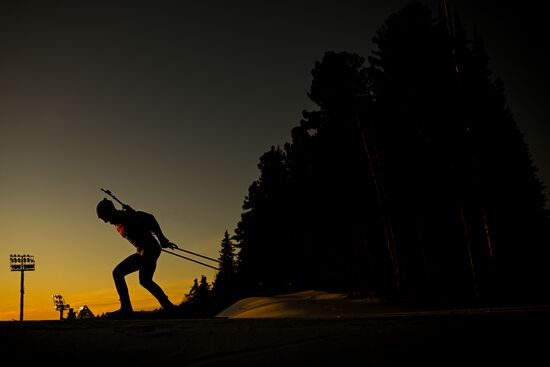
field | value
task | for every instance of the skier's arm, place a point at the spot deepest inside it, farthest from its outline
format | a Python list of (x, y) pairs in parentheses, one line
[(155, 229)]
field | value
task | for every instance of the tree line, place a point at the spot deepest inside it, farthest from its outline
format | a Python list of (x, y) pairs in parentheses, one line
[(411, 180)]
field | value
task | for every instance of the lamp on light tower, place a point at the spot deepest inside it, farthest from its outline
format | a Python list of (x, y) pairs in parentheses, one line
[(60, 305), (22, 263)]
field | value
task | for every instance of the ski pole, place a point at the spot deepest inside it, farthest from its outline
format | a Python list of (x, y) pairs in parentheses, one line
[(186, 258), (194, 253)]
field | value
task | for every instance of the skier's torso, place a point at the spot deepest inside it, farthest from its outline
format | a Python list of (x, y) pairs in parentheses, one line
[(137, 228)]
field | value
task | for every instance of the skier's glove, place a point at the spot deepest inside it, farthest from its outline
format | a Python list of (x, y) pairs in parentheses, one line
[(169, 245)]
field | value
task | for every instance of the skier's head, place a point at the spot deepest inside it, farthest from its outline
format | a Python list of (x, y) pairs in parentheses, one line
[(106, 210)]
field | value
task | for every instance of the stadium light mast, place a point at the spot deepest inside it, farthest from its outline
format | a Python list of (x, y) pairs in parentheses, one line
[(22, 263), (60, 305)]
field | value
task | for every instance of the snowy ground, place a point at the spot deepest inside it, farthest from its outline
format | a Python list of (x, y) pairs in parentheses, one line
[(307, 329)]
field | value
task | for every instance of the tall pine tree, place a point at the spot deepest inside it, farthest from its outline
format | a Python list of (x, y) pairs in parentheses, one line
[(224, 288), (262, 233)]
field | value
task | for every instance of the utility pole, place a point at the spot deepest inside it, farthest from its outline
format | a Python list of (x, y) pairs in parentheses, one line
[(22, 263)]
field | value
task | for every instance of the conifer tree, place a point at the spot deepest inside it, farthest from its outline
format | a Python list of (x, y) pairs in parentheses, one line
[(192, 296), (261, 234), (203, 290), (338, 178), (223, 288), (199, 292), (412, 121)]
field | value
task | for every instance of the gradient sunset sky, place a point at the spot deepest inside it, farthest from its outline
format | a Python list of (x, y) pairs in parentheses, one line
[(169, 104)]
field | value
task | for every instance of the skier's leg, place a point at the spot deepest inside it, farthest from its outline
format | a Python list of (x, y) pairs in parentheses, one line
[(146, 272), (127, 266)]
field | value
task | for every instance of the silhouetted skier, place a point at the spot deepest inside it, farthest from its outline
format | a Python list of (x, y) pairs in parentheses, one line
[(142, 230)]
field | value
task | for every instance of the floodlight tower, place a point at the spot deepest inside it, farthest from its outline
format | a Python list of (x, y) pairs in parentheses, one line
[(22, 263), (60, 305)]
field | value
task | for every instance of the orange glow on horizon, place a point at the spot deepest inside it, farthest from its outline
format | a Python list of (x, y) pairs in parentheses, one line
[(39, 305)]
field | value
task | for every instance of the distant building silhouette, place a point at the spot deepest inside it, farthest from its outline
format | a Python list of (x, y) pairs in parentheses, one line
[(84, 313)]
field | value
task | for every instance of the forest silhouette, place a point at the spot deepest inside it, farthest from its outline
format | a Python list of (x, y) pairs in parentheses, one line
[(410, 181)]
